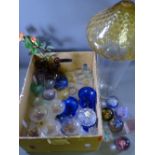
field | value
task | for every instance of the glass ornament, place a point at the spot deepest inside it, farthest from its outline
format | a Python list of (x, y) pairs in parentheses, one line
[(71, 127), (87, 118), (111, 33), (38, 113)]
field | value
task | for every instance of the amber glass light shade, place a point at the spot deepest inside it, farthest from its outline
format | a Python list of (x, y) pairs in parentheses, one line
[(111, 33)]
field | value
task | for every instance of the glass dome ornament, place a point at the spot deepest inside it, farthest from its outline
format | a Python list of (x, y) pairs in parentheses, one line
[(111, 34)]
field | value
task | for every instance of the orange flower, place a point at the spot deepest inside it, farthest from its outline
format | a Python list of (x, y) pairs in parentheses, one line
[(33, 39), (21, 36)]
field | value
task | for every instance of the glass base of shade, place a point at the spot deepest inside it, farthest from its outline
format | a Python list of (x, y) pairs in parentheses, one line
[(110, 73)]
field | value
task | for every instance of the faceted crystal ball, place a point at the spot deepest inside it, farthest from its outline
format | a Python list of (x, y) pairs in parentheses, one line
[(111, 33), (86, 117)]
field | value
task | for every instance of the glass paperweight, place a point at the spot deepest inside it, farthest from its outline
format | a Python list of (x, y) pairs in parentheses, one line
[(38, 113), (50, 128), (37, 101), (107, 114), (36, 89), (32, 130), (56, 107), (49, 94), (112, 102), (87, 118), (71, 127), (111, 33), (122, 112), (116, 125), (122, 143)]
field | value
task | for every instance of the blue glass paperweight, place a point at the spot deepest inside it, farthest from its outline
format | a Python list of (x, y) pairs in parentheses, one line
[(112, 102), (87, 118), (122, 112), (61, 82), (116, 125), (87, 97)]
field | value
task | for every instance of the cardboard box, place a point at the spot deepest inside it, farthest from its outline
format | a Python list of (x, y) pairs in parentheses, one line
[(73, 143)]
